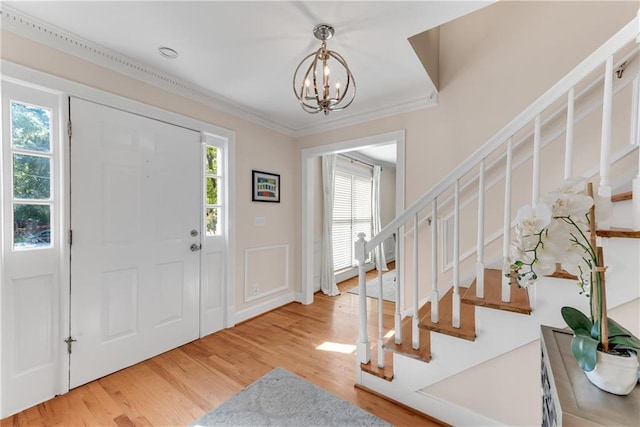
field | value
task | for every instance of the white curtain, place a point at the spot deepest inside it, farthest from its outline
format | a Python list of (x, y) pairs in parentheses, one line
[(327, 275), (381, 262)]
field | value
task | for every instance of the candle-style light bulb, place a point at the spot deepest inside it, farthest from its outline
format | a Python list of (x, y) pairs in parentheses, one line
[(337, 89), (307, 83), (326, 75)]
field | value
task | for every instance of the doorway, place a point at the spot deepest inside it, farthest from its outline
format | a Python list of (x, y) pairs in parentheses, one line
[(309, 210)]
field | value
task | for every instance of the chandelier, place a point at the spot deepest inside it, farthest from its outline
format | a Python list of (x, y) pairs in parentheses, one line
[(312, 83)]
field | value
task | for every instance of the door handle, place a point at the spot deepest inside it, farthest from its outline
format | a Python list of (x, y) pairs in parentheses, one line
[(195, 247)]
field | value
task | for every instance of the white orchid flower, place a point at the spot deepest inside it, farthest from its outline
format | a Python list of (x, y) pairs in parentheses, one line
[(532, 220)]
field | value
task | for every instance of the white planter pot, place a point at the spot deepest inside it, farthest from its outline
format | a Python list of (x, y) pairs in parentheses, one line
[(615, 374)]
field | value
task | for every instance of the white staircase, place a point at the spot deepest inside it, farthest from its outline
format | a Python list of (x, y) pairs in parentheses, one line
[(449, 320)]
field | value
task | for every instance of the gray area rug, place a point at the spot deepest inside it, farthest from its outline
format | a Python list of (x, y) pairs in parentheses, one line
[(388, 287), (281, 398)]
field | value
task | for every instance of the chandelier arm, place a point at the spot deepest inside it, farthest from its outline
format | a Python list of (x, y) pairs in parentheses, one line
[(350, 78), (295, 74), (312, 67)]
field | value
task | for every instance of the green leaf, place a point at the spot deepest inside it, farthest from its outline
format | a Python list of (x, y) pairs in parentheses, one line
[(615, 329), (631, 342), (584, 349), (575, 319)]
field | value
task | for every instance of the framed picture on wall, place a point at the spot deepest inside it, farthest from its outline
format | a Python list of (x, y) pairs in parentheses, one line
[(265, 187)]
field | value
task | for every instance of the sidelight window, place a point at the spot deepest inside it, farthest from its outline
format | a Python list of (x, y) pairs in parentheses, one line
[(32, 172), (213, 196)]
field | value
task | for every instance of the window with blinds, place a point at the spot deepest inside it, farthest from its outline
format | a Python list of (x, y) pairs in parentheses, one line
[(351, 215)]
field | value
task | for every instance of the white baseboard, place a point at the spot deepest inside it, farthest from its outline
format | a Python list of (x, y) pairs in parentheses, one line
[(440, 409), (262, 308)]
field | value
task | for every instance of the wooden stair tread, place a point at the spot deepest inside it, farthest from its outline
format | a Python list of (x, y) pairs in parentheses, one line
[(372, 368), (561, 273), (423, 353), (467, 329), (627, 195), (493, 294), (619, 232)]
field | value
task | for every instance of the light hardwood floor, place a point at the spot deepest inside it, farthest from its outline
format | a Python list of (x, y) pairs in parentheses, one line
[(179, 386)]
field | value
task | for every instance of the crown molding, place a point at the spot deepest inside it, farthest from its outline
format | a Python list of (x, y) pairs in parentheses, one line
[(57, 38), (366, 116)]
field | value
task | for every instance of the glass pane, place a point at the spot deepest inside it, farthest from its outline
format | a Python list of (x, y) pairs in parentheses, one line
[(212, 191), (31, 226), (212, 225), (212, 160), (31, 177), (30, 129)]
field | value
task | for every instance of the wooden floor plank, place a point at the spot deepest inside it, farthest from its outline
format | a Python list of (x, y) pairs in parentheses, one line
[(467, 329), (493, 294), (179, 386)]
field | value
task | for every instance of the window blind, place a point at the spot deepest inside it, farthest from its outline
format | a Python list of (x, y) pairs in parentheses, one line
[(351, 215)]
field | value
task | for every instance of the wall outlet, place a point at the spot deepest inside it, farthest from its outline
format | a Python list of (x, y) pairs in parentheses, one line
[(256, 288)]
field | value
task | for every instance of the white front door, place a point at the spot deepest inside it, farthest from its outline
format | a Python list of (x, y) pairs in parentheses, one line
[(136, 207)]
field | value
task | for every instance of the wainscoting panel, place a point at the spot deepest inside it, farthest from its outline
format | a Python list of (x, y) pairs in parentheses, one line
[(266, 271)]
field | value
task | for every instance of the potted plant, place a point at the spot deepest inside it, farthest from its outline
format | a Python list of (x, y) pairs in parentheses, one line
[(561, 229)]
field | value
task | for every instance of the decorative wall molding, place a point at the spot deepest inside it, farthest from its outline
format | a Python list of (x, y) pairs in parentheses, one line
[(249, 294), (57, 38), (257, 310)]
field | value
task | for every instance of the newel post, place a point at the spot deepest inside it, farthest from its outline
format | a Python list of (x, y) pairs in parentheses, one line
[(364, 346)]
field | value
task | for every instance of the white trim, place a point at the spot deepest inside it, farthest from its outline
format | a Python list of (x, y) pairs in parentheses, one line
[(248, 296), (266, 306), (36, 79), (57, 38), (615, 43), (346, 119), (440, 409), (60, 39), (307, 200)]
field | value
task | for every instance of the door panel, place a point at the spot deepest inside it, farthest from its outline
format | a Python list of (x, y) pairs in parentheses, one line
[(135, 198), (32, 355)]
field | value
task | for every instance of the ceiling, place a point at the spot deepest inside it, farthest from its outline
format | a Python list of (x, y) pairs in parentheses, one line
[(245, 53)]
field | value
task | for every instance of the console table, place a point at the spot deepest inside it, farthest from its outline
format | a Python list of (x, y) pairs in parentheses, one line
[(569, 398)]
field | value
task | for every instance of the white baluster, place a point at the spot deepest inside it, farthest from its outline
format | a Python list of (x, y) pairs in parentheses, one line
[(435, 295), (506, 230), (480, 260), (604, 190), (535, 191), (636, 181), (456, 258), (399, 295), (380, 311), (364, 346), (634, 135), (415, 337), (568, 146)]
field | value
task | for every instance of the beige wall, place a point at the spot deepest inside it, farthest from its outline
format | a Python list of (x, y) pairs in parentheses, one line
[(256, 148), (493, 64)]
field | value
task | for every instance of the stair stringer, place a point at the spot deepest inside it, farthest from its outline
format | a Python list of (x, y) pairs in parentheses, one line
[(499, 332)]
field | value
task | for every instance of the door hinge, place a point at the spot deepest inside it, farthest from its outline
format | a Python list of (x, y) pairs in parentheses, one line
[(69, 342), (70, 237), (69, 128)]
